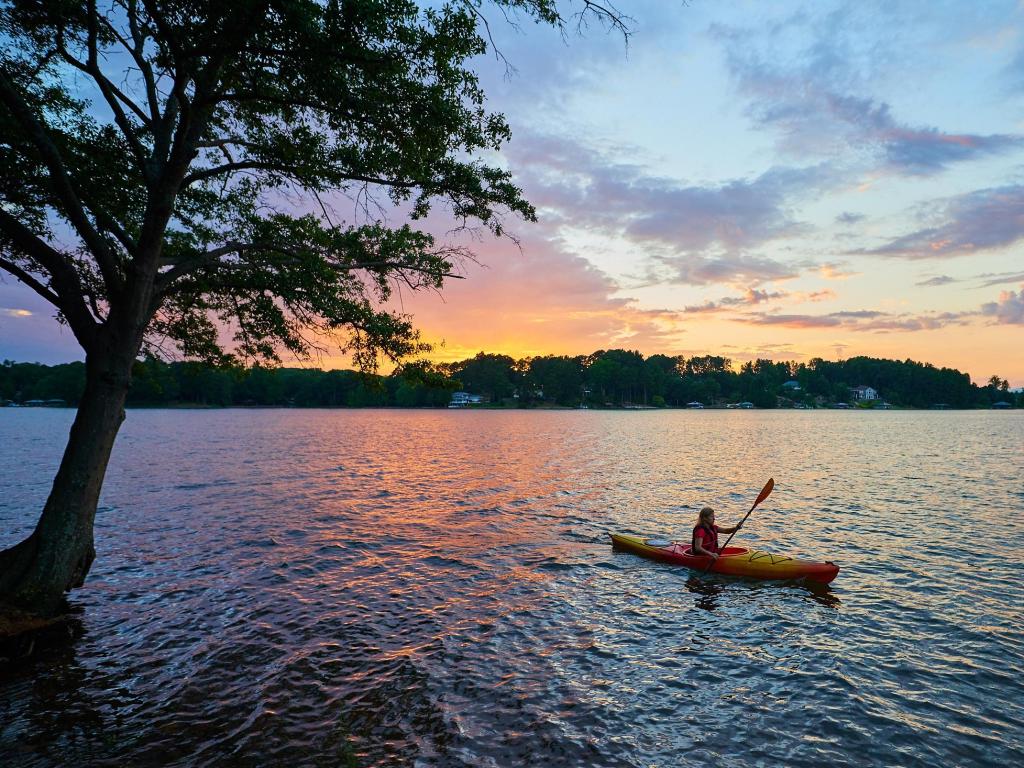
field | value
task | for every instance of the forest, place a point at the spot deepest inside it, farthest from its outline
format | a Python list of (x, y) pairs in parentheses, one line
[(605, 379)]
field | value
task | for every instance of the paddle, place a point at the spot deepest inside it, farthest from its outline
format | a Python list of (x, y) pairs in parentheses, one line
[(764, 494)]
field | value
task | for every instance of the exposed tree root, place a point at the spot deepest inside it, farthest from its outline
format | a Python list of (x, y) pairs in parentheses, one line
[(23, 635)]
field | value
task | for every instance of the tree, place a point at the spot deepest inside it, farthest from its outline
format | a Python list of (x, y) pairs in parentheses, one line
[(159, 163), (659, 370), (616, 374), (488, 374), (421, 383), (153, 383), (559, 378)]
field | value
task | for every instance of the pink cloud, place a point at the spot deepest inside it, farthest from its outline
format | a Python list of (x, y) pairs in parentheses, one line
[(1008, 309), (836, 271), (749, 298), (983, 220)]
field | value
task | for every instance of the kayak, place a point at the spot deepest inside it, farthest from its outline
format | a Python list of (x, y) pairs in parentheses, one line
[(733, 561)]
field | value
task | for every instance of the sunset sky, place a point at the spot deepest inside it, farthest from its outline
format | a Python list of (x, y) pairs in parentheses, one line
[(782, 180)]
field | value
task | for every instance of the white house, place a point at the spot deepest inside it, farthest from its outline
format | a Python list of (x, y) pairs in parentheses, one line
[(463, 399), (864, 393)]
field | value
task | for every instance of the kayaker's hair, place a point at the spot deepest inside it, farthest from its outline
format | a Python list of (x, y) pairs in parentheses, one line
[(706, 512)]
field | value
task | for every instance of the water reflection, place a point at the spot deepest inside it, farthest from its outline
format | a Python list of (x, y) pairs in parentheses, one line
[(709, 588), (707, 591), (822, 594)]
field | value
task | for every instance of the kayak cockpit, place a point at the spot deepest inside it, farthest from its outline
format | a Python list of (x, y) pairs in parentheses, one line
[(686, 550)]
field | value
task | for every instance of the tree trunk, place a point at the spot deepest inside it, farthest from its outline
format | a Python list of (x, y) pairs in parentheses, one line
[(55, 558)]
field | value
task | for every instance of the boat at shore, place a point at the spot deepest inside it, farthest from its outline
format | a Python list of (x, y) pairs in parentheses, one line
[(733, 561)]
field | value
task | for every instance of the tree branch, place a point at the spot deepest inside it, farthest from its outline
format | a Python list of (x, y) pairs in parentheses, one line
[(177, 100), (288, 170), (612, 16), (208, 258), (62, 184), (185, 266), (138, 53), (63, 278), (111, 93), (30, 281)]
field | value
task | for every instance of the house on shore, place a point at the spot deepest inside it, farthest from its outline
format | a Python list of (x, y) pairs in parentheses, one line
[(864, 393), (464, 400)]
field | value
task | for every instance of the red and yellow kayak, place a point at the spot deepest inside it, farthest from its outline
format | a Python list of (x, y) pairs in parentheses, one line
[(734, 561)]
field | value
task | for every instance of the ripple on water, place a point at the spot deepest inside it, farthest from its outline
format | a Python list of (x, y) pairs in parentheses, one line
[(293, 587)]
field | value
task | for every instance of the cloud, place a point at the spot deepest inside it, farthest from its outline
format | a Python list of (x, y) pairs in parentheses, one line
[(846, 217), (978, 221), (9, 312), (925, 151), (585, 187), (703, 270), (810, 100), (737, 215), (923, 322), (1008, 309), (836, 270), (695, 234), (824, 295), (859, 314), (999, 278), (790, 320), (751, 297), (1014, 72), (860, 320), (932, 282)]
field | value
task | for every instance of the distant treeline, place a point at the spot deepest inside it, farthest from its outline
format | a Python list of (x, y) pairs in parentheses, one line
[(613, 378)]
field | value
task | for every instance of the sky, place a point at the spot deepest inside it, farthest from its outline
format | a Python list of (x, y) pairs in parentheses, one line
[(784, 180)]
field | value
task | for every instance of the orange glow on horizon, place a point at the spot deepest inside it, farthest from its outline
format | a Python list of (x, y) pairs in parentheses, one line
[(962, 348)]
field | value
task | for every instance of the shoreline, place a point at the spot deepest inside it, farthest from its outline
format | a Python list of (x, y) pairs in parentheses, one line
[(647, 408)]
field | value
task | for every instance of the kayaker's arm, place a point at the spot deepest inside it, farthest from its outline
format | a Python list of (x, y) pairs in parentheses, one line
[(698, 549), (731, 530)]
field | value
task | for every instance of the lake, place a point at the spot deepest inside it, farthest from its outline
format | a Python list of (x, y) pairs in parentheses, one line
[(437, 588)]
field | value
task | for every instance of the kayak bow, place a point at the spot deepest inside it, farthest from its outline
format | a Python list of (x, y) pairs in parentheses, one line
[(733, 561)]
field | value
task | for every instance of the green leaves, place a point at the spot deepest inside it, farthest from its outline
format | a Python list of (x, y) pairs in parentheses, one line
[(292, 278)]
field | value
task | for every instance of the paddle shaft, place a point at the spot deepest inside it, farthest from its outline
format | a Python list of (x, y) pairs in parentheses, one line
[(764, 494)]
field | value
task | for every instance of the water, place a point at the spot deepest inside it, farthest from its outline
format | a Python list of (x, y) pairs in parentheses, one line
[(436, 588)]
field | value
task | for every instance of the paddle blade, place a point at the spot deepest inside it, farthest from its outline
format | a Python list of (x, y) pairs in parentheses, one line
[(765, 492)]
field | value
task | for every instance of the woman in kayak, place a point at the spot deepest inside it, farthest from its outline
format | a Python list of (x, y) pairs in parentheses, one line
[(705, 534)]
